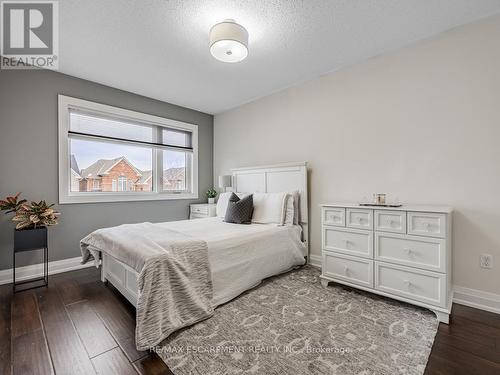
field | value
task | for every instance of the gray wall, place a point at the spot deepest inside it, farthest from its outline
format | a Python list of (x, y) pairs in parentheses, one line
[(28, 157)]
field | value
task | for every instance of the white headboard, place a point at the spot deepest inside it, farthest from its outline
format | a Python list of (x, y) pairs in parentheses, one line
[(273, 179)]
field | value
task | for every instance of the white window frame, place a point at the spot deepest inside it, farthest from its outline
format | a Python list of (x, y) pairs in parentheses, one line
[(66, 196), (122, 183)]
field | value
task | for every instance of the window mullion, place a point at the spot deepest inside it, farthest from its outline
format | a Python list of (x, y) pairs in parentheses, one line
[(188, 162), (157, 161)]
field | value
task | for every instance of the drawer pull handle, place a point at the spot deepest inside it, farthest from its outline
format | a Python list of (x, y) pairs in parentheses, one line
[(360, 220), (408, 251), (347, 242), (346, 270), (428, 226), (407, 283)]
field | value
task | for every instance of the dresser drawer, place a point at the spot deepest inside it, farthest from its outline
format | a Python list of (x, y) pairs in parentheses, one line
[(419, 285), (354, 270), (333, 216), (427, 224), (348, 241), (390, 221), (359, 218), (414, 251), (199, 209)]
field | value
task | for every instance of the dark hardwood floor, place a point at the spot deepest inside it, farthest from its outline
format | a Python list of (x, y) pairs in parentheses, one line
[(75, 326), (80, 326)]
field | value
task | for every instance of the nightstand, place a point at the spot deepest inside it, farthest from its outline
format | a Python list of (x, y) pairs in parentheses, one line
[(202, 210)]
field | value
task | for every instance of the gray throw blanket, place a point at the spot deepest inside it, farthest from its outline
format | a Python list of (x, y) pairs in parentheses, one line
[(175, 283)]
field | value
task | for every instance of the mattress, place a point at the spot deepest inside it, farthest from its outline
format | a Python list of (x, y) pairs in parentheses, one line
[(242, 255)]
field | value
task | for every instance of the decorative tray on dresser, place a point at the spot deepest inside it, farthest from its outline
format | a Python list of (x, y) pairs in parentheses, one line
[(403, 253)]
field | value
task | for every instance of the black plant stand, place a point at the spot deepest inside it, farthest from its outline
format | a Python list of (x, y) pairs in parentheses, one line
[(31, 240)]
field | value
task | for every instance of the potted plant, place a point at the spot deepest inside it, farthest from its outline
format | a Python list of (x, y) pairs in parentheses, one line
[(211, 194), (32, 220)]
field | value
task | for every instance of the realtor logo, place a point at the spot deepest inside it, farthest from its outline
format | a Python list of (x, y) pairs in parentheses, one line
[(29, 34)]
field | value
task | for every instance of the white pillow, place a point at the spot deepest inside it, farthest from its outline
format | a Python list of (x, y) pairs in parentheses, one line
[(288, 219), (296, 206), (269, 208), (222, 203)]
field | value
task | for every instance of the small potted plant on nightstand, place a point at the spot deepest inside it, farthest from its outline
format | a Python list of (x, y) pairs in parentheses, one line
[(211, 194), (32, 220)]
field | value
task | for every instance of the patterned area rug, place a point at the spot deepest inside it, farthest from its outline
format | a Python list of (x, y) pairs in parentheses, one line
[(290, 324)]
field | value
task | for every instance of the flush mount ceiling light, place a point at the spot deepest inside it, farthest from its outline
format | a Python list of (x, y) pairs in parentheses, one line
[(229, 41)]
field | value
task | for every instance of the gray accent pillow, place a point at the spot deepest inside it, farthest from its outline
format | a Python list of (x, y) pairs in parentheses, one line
[(239, 211)]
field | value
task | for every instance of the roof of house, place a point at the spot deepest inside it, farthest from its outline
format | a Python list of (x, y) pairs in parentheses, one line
[(173, 174), (146, 175), (74, 165), (102, 166)]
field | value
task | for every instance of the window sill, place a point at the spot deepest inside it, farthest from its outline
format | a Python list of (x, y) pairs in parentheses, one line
[(135, 197)]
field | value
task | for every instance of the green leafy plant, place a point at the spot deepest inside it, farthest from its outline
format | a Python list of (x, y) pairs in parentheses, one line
[(29, 215), (211, 193)]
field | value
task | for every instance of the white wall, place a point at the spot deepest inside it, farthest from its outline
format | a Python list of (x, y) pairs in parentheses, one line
[(421, 124)]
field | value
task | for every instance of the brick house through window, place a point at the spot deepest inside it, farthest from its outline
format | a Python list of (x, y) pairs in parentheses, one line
[(119, 175), (114, 175), (174, 179)]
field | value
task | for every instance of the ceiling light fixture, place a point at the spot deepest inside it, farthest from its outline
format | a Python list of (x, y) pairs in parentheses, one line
[(229, 41)]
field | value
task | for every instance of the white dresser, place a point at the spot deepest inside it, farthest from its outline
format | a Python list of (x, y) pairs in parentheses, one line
[(403, 253)]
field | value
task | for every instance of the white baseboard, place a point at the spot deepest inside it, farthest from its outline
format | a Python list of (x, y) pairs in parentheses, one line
[(464, 296), (477, 299), (315, 260), (36, 270)]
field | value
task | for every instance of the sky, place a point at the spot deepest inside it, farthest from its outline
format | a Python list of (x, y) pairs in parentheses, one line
[(88, 152)]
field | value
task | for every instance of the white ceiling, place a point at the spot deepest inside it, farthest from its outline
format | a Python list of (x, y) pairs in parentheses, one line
[(159, 48)]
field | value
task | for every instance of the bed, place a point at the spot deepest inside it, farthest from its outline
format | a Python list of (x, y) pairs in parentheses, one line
[(240, 256)]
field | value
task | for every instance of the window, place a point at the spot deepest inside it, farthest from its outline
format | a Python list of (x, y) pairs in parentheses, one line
[(122, 183), (96, 184), (111, 154)]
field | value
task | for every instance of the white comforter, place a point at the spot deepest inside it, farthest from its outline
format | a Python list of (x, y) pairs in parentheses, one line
[(241, 256)]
